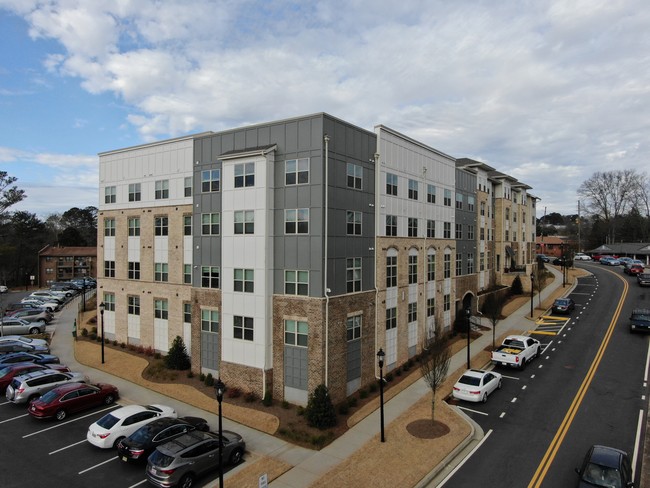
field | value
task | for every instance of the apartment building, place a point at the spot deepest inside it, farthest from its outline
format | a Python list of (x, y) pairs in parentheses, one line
[(286, 254)]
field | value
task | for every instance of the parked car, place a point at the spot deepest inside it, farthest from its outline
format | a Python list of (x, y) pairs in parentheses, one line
[(109, 430), (29, 387), (181, 461), (46, 295), (543, 257), (624, 260), (16, 325), (563, 305), (24, 340), (12, 307), (640, 320), (635, 269), (516, 351), (580, 256), (34, 315), (22, 357), (51, 306), (17, 346), (643, 279), (559, 261), (71, 398), (605, 466), (609, 261), (476, 384), (3, 289), (9, 371), (139, 445)]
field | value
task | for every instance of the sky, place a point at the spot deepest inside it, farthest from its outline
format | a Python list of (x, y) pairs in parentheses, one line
[(549, 92)]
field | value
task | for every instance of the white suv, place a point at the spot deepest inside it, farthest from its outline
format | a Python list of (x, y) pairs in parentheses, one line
[(31, 386)]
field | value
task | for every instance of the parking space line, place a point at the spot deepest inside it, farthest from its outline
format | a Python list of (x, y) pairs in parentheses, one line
[(69, 421), (138, 484), (67, 447), (114, 458), (473, 411), (13, 418)]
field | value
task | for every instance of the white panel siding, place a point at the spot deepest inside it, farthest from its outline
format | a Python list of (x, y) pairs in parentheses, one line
[(133, 251), (160, 335), (109, 250), (161, 249), (133, 326)]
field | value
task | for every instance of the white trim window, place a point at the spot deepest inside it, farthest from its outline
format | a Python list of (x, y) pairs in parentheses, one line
[(110, 194), (354, 174), (210, 224), (210, 180), (244, 280), (353, 274), (162, 190), (244, 175), (210, 321), (210, 276), (244, 222), (134, 226), (296, 171), (161, 309), (296, 221), (135, 192), (353, 221), (243, 328), (353, 327), (296, 333), (296, 282)]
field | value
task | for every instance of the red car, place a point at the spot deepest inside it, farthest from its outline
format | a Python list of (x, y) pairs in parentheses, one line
[(8, 371), (635, 269), (70, 398)]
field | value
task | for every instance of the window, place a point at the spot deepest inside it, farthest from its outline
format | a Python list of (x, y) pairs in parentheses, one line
[(431, 228), (413, 190), (296, 221), (161, 272), (459, 201), (210, 320), (431, 267), (470, 263), (134, 226), (162, 189), (296, 171), (470, 232), (109, 227), (482, 261), (187, 225), (296, 282), (134, 270), (514, 216), (210, 224), (446, 302), (160, 309), (481, 233), (161, 226), (243, 328), (133, 305), (391, 184), (391, 271), (353, 274), (514, 236), (391, 318), (470, 203), (187, 313), (507, 235), (244, 280), (353, 223), (245, 222), (459, 231), (187, 274), (187, 186), (391, 225), (459, 264), (482, 208), (447, 230), (412, 227), (353, 327), (447, 266), (507, 214), (135, 192), (412, 312), (295, 333), (244, 175), (355, 176), (413, 269), (431, 307), (109, 269), (431, 194), (210, 276), (210, 180), (447, 198), (109, 302), (110, 194)]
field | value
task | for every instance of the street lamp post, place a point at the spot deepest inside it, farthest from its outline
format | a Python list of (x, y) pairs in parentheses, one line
[(468, 314), (102, 307), (532, 288), (380, 359), (220, 388)]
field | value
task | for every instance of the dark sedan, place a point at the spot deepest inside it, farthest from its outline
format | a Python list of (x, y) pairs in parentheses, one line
[(605, 466), (8, 371), (70, 398), (22, 357), (139, 445), (563, 305)]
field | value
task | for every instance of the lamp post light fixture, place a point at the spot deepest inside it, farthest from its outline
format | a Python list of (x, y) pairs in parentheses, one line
[(220, 388), (532, 288), (102, 307), (380, 360), (468, 314)]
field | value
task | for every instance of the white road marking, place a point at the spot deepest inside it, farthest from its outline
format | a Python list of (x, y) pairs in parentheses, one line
[(98, 465), (460, 465), (470, 410), (67, 447), (13, 418), (639, 426)]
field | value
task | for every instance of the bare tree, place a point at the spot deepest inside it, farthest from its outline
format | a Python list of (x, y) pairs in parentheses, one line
[(434, 364), (492, 308)]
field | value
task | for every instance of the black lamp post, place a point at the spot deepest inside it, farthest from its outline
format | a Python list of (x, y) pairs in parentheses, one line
[(83, 290), (468, 314), (220, 388), (380, 359), (532, 288), (102, 307)]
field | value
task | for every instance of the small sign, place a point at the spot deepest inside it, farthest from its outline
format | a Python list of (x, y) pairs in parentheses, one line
[(264, 481)]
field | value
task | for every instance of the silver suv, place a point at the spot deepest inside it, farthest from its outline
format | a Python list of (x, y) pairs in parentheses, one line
[(30, 386), (20, 326), (181, 461)]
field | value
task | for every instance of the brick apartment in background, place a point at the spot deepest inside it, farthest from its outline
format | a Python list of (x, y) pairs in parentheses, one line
[(286, 254), (57, 263)]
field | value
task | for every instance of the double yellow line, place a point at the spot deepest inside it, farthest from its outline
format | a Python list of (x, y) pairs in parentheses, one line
[(552, 450)]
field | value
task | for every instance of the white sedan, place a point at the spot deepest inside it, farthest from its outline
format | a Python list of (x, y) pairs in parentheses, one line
[(581, 257), (476, 384), (24, 340), (121, 423)]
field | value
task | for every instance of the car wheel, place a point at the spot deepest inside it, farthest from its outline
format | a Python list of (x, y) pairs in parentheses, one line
[(499, 385), (523, 364), (34, 330), (236, 456), (117, 441), (109, 399), (537, 354), (60, 415), (186, 481), (484, 398)]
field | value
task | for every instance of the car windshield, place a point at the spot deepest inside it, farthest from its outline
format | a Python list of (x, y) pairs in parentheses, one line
[(159, 459), (107, 421), (514, 343), (641, 316), (599, 475), (4, 371), (49, 397), (470, 380), (561, 302)]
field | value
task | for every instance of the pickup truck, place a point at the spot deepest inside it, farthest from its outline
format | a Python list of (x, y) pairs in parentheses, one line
[(517, 351)]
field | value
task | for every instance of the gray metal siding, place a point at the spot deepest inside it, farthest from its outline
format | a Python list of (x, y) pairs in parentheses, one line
[(295, 367), (210, 350)]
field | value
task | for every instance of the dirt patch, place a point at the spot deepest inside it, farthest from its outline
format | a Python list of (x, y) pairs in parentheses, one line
[(426, 429)]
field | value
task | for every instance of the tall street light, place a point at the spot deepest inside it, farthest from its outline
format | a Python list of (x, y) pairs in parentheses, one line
[(102, 307), (380, 359), (532, 288), (220, 388), (468, 314)]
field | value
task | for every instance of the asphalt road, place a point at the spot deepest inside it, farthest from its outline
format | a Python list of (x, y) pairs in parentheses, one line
[(587, 387)]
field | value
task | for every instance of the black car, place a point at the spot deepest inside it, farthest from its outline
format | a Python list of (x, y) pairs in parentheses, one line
[(543, 257), (559, 261), (563, 305), (640, 320), (139, 445), (605, 466), (26, 357)]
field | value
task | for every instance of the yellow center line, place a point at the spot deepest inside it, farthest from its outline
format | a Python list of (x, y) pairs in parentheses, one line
[(554, 447)]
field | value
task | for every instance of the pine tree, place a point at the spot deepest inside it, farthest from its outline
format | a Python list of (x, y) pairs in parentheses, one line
[(177, 357), (320, 411)]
